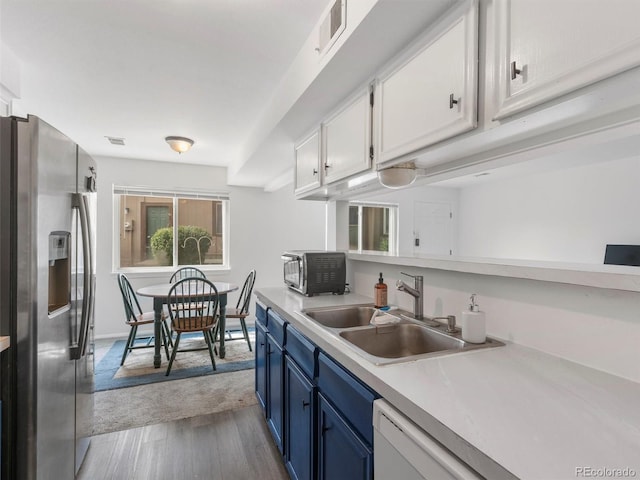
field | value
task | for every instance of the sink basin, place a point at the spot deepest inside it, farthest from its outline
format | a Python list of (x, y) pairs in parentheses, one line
[(401, 340), (342, 317), (405, 340)]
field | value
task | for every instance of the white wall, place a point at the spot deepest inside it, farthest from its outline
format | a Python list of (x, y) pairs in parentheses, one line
[(565, 215), (406, 200), (262, 226)]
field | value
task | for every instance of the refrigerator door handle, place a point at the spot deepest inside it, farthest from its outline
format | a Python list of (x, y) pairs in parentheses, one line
[(79, 201), (92, 275)]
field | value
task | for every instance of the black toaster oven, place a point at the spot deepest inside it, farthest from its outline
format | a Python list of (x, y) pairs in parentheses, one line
[(312, 272)]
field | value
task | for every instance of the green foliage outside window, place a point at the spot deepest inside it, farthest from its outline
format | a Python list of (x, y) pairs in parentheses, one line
[(193, 244)]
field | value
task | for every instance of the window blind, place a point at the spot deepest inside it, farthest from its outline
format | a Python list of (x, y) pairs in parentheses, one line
[(158, 192)]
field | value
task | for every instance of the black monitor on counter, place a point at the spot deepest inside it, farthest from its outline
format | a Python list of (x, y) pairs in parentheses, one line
[(622, 255)]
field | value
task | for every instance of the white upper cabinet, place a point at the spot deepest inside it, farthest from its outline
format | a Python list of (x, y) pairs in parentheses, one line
[(307, 163), (431, 95), (547, 48), (347, 139)]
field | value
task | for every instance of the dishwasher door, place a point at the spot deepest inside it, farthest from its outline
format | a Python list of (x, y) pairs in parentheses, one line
[(401, 450)]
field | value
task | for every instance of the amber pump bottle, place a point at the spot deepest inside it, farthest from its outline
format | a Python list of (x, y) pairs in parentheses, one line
[(380, 293)]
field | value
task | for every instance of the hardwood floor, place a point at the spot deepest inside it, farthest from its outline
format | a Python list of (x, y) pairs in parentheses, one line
[(229, 445)]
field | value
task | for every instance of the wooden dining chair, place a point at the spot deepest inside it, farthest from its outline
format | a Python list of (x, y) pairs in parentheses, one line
[(186, 272), (134, 317), (240, 312), (201, 294)]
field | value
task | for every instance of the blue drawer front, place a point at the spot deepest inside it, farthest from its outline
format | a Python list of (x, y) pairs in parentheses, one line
[(302, 351), (261, 314), (348, 394), (275, 326)]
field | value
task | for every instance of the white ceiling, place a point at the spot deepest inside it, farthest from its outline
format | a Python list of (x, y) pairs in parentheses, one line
[(230, 74), (146, 69)]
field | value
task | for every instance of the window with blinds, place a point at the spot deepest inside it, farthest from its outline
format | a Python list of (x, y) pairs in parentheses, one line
[(170, 228)]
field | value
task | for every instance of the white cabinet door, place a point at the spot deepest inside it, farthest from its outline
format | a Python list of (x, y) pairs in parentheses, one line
[(546, 48), (347, 139), (307, 163), (432, 94)]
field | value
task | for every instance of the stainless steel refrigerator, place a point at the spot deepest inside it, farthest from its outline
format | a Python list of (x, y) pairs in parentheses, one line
[(47, 289)]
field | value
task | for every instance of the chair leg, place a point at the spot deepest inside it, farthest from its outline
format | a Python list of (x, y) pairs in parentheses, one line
[(173, 353), (169, 333), (127, 347), (245, 332), (207, 337), (214, 335), (165, 339)]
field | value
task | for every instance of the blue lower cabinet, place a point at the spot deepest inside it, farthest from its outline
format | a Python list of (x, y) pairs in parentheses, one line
[(299, 422), (341, 453), (261, 366), (275, 391)]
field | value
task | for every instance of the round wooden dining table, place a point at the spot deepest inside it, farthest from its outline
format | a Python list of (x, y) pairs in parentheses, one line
[(160, 293)]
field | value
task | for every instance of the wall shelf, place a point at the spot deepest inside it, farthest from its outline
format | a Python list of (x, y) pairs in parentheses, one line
[(614, 277)]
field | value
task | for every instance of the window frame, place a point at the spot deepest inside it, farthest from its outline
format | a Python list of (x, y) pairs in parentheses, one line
[(175, 195), (393, 223)]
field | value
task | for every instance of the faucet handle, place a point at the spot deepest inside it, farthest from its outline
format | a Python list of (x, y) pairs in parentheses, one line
[(451, 324), (412, 276)]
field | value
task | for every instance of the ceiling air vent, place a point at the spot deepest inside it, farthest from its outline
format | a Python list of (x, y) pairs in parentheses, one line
[(333, 24), (115, 140)]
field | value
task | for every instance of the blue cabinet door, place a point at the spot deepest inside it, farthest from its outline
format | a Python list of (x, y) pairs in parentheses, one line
[(299, 422), (261, 366), (275, 391), (342, 454)]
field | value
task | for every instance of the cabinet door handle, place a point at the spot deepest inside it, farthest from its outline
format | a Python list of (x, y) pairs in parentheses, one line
[(326, 166), (305, 404), (324, 429), (452, 101), (514, 70), (315, 171)]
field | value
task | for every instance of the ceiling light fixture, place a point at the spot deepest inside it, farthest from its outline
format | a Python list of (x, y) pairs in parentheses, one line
[(398, 176), (179, 144)]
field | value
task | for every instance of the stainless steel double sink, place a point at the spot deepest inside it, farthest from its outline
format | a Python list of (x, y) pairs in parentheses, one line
[(402, 339)]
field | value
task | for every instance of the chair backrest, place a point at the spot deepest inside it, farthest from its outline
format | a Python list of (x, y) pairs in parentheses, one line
[(245, 295), (192, 303), (129, 298), (186, 272)]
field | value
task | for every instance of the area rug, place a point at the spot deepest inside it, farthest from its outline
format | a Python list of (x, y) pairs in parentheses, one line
[(138, 368), (125, 408)]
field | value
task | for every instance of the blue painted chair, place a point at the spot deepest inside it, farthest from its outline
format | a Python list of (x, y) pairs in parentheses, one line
[(134, 317), (240, 312), (202, 297)]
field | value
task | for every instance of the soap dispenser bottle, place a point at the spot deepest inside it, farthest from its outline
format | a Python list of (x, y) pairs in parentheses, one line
[(380, 293), (473, 323)]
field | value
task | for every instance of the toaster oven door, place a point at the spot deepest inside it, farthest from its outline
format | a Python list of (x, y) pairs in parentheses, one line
[(294, 276)]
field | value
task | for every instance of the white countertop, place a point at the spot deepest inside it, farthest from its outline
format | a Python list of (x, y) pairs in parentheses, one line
[(504, 409)]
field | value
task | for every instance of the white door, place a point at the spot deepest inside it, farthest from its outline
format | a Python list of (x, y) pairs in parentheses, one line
[(432, 225), (547, 48)]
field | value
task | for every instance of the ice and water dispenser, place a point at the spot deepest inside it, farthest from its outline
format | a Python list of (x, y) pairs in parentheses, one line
[(59, 271)]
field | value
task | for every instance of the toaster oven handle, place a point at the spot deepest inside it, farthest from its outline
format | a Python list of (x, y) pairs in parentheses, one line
[(290, 256)]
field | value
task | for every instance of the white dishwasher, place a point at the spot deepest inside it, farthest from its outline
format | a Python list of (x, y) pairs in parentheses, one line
[(402, 451)]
